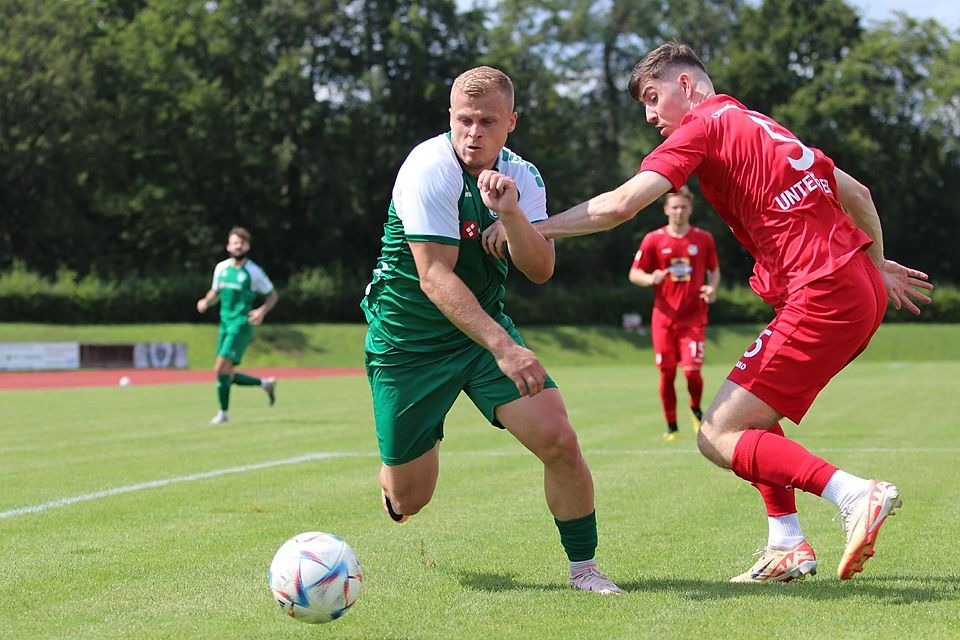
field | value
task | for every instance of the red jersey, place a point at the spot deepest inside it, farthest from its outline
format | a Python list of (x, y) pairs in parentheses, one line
[(686, 258), (776, 194)]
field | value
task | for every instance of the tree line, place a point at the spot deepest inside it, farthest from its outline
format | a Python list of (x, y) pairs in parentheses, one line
[(135, 133)]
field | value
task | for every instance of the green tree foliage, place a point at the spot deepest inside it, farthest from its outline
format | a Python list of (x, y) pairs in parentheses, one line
[(880, 114), (154, 127), (134, 133), (571, 60), (53, 140), (777, 47), (762, 54)]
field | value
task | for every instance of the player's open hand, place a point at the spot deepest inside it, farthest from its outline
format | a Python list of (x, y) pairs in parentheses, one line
[(494, 240), (904, 284), (522, 366), (499, 192)]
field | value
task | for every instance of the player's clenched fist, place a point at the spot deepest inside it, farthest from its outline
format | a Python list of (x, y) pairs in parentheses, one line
[(499, 192)]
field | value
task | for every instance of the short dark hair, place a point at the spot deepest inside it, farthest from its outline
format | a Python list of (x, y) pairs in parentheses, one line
[(653, 65), (239, 231)]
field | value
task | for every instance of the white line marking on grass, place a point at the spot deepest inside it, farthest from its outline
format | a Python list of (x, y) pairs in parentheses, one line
[(326, 455), (168, 481)]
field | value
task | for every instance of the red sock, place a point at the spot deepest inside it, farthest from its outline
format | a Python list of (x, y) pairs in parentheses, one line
[(694, 386), (763, 457), (778, 500), (668, 395)]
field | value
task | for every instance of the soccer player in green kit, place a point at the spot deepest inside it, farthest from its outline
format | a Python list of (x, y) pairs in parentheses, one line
[(236, 283), (436, 321)]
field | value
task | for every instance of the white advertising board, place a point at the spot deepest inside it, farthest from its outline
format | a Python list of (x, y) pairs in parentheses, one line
[(35, 356)]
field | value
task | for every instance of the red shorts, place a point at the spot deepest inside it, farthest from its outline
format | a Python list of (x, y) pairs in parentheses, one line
[(672, 345), (818, 330)]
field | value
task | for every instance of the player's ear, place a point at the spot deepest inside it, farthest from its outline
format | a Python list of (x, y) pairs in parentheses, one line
[(513, 122), (686, 84)]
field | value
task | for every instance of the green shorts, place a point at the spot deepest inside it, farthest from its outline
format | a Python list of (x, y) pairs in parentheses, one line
[(233, 341), (413, 392)]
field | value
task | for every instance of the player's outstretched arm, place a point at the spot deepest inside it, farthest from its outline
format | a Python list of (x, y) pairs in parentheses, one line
[(531, 253), (448, 292), (609, 209)]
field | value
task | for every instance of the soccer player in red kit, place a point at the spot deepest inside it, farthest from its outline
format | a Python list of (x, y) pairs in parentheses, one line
[(680, 262), (816, 238)]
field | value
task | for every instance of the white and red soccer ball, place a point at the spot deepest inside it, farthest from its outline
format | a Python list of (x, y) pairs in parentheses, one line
[(315, 577)]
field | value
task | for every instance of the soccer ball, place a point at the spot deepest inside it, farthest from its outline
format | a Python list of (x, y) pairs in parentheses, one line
[(315, 577)]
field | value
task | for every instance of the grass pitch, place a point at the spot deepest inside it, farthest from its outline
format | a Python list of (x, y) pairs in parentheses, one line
[(124, 515)]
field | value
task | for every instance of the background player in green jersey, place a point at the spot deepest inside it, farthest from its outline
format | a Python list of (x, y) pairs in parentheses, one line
[(436, 321), (236, 283)]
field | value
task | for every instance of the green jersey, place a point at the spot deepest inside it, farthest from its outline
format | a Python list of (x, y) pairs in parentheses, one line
[(435, 200), (238, 288)]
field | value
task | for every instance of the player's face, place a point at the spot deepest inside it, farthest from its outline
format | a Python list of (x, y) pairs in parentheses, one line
[(678, 210), (480, 127), (237, 247), (666, 102)]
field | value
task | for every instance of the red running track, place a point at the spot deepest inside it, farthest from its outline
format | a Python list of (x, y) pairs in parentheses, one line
[(111, 377)]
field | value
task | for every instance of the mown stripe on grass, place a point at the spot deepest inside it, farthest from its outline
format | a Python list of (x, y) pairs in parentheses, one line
[(53, 504), (326, 455)]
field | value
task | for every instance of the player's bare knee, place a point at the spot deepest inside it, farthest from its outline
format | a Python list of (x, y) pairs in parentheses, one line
[(707, 441), (703, 439), (563, 448), (409, 503)]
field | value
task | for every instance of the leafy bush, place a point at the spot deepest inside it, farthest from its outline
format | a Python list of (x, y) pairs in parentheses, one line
[(69, 299), (333, 295), (321, 295)]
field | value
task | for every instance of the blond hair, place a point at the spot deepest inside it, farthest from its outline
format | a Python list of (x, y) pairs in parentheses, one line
[(653, 65), (683, 192), (480, 81)]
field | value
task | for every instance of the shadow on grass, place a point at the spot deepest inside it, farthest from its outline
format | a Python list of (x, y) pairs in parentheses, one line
[(500, 582), (285, 339), (586, 340), (888, 590)]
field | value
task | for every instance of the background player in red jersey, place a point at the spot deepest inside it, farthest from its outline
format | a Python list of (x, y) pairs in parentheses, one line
[(680, 262), (816, 238)]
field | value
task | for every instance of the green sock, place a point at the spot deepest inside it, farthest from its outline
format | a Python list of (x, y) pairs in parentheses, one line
[(244, 380), (223, 390), (579, 537)]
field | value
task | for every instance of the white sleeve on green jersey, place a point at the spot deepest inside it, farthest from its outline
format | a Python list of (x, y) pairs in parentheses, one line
[(217, 270), (259, 281), (533, 193), (427, 192)]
